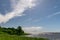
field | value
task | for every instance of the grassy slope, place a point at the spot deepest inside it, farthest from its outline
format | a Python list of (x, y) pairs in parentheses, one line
[(4, 36)]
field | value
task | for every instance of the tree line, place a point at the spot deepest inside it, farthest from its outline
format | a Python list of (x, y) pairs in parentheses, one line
[(12, 31)]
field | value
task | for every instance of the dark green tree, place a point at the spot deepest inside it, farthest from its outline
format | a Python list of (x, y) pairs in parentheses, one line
[(12, 31), (19, 30)]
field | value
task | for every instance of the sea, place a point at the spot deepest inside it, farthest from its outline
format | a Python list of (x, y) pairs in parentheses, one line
[(50, 36)]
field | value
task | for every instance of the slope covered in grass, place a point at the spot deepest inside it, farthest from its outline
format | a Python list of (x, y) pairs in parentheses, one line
[(15, 37), (15, 34)]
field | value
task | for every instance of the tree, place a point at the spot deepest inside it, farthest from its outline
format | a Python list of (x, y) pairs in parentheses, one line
[(19, 30), (1, 29), (12, 31)]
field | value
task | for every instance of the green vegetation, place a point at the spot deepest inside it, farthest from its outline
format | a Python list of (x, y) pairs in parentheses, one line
[(15, 37), (12, 31), (15, 34)]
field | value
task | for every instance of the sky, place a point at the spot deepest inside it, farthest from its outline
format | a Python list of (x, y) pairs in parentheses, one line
[(35, 16)]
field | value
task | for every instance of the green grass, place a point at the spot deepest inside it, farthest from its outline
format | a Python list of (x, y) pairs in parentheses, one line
[(4, 36)]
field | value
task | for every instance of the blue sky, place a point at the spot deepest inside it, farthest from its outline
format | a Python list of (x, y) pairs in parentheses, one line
[(37, 13)]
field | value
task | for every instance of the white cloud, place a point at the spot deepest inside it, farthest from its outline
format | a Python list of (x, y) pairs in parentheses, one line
[(19, 6), (53, 14), (33, 30)]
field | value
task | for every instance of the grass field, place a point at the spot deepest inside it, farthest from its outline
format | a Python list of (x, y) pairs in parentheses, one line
[(15, 37)]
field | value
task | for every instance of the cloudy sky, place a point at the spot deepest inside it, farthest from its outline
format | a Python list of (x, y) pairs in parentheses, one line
[(35, 15)]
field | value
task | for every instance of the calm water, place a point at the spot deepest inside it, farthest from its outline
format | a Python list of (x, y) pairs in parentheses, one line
[(49, 36)]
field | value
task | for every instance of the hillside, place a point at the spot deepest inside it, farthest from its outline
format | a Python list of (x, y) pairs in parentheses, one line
[(15, 34)]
